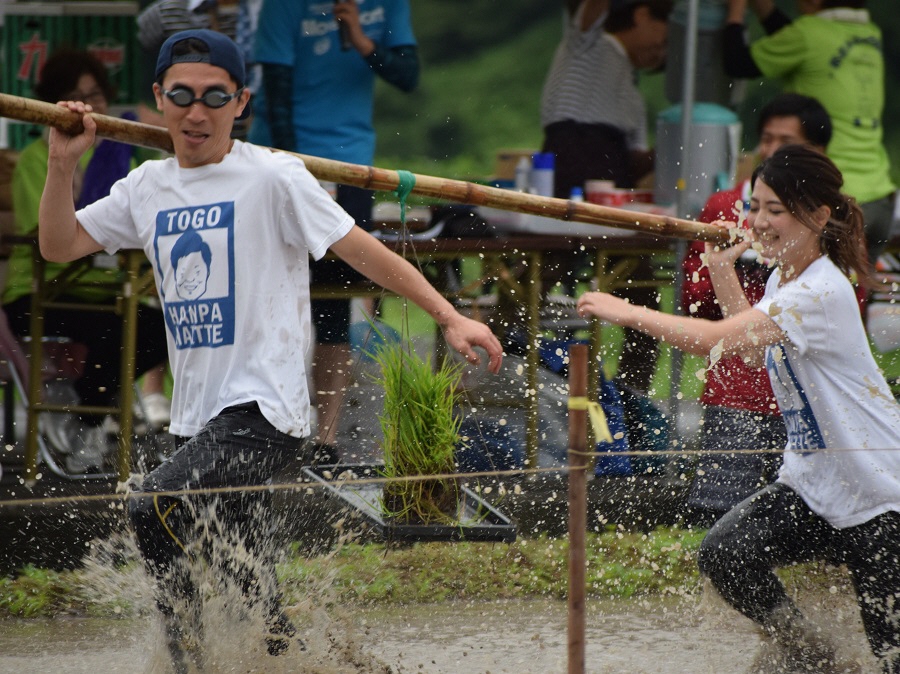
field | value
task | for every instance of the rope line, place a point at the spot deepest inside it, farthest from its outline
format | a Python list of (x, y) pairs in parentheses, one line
[(356, 481)]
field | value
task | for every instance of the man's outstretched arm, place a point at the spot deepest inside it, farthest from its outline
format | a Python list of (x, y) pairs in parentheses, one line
[(371, 258)]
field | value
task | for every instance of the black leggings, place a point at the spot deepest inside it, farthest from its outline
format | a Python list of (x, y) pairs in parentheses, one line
[(775, 528), (238, 448)]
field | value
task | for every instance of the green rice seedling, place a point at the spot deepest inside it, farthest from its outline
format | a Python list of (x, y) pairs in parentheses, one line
[(420, 435)]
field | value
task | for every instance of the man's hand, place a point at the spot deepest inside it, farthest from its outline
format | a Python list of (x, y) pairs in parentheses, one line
[(61, 237), (66, 148), (371, 258), (464, 333), (346, 13)]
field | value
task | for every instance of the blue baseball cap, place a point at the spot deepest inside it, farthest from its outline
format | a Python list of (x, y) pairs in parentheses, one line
[(223, 52)]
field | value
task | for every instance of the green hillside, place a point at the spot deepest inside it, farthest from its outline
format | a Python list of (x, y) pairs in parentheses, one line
[(483, 67), (470, 104)]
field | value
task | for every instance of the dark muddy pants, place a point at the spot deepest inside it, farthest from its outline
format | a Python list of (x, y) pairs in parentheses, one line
[(723, 480), (230, 530), (775, 528)]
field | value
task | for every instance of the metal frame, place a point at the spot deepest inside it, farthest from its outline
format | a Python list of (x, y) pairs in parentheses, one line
[(45, 292)]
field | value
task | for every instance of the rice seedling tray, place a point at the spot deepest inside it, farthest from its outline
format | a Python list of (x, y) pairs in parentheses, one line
[(356, 487)]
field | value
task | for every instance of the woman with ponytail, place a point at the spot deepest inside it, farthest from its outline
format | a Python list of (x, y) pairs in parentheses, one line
[(837, 497)]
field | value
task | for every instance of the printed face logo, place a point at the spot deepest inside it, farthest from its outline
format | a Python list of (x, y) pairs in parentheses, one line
[(191, 275), (191, 258), (194, 251)]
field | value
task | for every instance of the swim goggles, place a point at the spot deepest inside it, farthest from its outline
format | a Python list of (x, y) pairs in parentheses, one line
[(184, 98)]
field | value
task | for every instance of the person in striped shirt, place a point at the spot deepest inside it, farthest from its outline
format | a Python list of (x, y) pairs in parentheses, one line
[(595, 123)]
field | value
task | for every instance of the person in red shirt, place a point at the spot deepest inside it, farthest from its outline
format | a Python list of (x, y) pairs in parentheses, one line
[(739, 409)]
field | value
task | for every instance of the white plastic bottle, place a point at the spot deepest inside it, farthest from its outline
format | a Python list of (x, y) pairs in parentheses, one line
[(523, 175)]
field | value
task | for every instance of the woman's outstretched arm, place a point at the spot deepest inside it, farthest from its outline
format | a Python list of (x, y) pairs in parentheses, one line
[(746, 334)]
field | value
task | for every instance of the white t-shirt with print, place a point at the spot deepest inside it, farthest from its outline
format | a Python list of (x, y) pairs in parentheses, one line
[(834, 397), (230, 245)]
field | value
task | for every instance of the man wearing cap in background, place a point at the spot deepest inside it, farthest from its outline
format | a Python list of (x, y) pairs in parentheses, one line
[(832, 51), (228, 227)]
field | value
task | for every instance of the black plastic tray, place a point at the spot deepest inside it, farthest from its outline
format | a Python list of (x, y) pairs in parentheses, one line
[(478, 520)]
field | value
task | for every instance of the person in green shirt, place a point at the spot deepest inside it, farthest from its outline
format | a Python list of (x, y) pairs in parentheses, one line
[(81, 442), (831, 52)]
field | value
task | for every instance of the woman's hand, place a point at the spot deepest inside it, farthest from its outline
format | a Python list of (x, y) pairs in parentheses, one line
[(605, 307), (721, 258), (721, 262)]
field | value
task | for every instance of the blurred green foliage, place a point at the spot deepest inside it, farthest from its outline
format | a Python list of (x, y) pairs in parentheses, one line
[(483, 68)]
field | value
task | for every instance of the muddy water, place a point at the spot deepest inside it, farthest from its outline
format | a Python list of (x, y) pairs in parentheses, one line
[(695, 635), (692, 635), (519, 637)]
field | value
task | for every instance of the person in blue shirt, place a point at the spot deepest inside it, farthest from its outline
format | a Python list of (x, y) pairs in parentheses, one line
[(319, 71)]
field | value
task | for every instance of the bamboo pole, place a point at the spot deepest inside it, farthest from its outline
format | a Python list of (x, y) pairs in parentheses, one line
[(578, 463), (370, 177)]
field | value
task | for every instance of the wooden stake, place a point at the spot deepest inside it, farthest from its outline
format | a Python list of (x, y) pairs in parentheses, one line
[(578, 464), (370, 177)]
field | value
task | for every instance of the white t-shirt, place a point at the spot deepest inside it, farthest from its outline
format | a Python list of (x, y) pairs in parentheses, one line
[(834, 397), (230, 246)]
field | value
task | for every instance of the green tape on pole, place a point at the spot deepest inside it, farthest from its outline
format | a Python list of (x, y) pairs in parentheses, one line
[(406, 183)]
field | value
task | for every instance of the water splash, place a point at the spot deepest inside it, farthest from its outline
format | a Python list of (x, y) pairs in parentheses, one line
[(230, 633)]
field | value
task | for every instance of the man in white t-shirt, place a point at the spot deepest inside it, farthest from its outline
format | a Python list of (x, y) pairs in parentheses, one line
[(229, 228)]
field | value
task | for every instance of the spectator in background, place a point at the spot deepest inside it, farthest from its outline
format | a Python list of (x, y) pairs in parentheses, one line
[(235, 18), (592, 111), (78, 75), (595, 123), (833, 52), (739, 408), (319, 74), (578, 56)]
